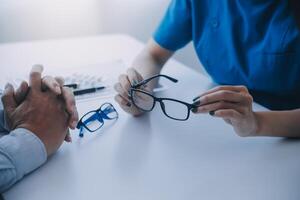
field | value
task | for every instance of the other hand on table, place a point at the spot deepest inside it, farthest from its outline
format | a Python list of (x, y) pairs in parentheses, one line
[(40, 110)]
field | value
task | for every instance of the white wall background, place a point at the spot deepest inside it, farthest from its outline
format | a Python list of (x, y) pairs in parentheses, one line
[(22, 20)]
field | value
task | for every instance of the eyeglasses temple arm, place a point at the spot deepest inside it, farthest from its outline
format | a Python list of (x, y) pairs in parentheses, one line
[(107, 111), (153, 77), (81, 132)]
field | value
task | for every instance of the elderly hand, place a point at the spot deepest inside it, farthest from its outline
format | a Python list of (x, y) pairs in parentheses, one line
[(56, 86), (233, 104), (43, 113)]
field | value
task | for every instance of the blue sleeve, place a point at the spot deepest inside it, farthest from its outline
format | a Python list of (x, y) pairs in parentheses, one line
[(3, 126), (21, 152), (175, 30)]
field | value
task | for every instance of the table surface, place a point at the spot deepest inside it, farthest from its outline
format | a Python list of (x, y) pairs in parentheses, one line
[(151, 157)]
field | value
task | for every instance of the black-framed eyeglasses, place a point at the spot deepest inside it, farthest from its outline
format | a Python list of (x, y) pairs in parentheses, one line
[(94, 120), (172, 108)]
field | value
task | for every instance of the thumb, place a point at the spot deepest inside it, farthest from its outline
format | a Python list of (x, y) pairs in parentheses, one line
[(8, 100)]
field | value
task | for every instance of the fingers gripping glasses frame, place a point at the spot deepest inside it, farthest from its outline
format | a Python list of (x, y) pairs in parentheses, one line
[(172, 108)]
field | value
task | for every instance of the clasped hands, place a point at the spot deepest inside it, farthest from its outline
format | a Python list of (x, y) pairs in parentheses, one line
[(43, 106), (231, 103)]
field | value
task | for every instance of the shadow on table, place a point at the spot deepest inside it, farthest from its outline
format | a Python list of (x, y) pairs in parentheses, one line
[(287, 141), (133, 146), (91, 137)]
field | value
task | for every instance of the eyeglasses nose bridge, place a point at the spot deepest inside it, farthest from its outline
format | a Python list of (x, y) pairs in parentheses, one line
[(162, 105), (101, 116)]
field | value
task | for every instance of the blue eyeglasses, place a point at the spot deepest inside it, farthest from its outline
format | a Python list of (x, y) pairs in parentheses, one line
[(94, 120)]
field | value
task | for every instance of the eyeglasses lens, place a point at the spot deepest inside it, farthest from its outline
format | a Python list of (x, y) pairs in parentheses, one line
[(175, 110), (142, 100), (91, 121)]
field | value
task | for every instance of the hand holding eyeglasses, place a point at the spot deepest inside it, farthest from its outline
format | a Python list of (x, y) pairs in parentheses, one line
[(123, 88), (233, 104), (138, 99)]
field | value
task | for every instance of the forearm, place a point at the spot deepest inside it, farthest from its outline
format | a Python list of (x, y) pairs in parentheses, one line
[(279, 123), (8, 172), (20, 153), (146, 65), (151, 60)]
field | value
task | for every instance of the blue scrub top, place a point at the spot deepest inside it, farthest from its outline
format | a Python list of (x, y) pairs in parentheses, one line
[(255, 43)]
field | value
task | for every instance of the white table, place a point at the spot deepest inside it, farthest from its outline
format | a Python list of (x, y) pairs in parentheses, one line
[(152, 157)]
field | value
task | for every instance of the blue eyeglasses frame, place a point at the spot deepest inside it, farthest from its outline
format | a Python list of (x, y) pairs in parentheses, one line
[(99, 115)]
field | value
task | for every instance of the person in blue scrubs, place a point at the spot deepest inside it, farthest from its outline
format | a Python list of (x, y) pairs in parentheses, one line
[(252, 48)]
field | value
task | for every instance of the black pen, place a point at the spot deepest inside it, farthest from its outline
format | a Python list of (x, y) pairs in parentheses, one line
[(72, 85), (87, 91)]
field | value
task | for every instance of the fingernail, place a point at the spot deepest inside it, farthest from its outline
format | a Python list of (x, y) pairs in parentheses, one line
[(194, 110), (74, 124), (134, 82), (57, 90), (197, 103), (196, 98), (128, 104), (212, 113), (8, 85), (68, 139)]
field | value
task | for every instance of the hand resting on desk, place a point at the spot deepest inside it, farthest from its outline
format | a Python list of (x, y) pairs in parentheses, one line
[(44, 112)]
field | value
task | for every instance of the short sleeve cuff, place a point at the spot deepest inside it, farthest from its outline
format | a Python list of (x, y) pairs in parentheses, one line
[(25, 149), (175, 29)]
